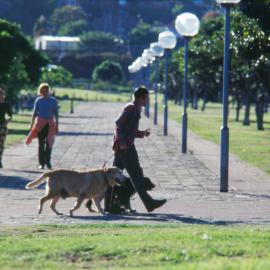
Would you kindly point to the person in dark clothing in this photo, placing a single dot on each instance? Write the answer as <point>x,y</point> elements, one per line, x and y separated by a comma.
<point>125,153</point>
<point>4,109</point>
<point>44,124</point>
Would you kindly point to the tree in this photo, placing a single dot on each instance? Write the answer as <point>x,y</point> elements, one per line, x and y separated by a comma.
<point>74,28</point>
<point>141,36</point>
<point>56,76</point>
<point>66,14</point>
<point>98,42</point>
<point>108,71</point>
<point>41,26</point>
<point>20,63</point>
<point>258,10</point>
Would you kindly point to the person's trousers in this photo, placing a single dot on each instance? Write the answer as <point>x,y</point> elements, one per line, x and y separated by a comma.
<point>44,151</point>
<point>129,160</point>
<point>3,133</point>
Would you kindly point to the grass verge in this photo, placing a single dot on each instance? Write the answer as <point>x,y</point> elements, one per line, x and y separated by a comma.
<point>246,142</point>
<point>135,247</point>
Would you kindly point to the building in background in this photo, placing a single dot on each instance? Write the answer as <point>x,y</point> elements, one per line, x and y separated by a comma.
<point>56,43</point>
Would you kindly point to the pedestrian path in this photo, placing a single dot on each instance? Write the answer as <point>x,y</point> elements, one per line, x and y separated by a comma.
<point>189,182</point>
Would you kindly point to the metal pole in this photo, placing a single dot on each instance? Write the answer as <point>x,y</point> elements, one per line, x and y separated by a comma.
<point>184,115</point>
<point>147,80</point>
<point>156,94</point>
<point>224,153</point>
<point>165,106</point>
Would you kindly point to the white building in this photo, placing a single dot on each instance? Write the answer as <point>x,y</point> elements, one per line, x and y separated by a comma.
<point>55,43</point>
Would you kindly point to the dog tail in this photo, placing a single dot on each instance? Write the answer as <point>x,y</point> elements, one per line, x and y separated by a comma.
<point>38,181</point>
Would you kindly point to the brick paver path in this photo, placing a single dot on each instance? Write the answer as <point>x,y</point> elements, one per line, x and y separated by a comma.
<point>190,182</point>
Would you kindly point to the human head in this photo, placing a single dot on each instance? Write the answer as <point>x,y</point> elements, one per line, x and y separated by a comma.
<point>140,95</point>
<point>43,89</point>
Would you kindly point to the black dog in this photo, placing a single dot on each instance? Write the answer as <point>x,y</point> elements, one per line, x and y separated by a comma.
<point>117,199</point>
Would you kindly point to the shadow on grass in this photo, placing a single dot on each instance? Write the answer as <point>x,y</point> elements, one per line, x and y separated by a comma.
<point>155,217</point>
<point>20,122</point>
<point>12,131</point>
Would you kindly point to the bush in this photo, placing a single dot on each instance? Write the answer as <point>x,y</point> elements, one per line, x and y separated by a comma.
<point>56,76</point>
<point>108,71</point>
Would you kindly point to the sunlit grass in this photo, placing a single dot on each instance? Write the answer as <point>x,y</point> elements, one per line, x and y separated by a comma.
<point>135,247</point>
<point>246,142</point>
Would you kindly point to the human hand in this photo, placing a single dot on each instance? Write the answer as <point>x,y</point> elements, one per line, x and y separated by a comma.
<point>147,132</point>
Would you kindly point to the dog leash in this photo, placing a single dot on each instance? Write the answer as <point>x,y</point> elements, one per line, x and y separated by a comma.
<point>107,159</point>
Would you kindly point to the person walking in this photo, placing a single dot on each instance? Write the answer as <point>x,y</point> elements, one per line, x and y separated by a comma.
<point>125,153</point>
<point>4,109</point>
<point>44,125</point>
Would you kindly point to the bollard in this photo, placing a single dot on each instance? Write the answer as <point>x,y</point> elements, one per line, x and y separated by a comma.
<point>71,105</point>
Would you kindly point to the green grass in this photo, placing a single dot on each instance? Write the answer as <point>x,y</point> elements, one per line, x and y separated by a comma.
<point>93,95</point>
<point>135,247</point>
<point>246,142</point>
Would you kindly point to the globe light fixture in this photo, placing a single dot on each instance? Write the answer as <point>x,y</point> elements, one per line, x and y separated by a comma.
<point>224,151</point>
<point>157,50</point>
<point>187,25</point>
<point>167,40</point>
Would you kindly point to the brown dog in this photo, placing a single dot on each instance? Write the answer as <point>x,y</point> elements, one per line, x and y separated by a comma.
<point>82,185</point>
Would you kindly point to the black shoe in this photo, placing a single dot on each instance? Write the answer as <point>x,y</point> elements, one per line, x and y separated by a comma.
<point>49,166</point>
<point>41,166</point>
<point>153,204</point>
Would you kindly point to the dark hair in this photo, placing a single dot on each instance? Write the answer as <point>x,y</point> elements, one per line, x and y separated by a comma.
<point>141,91</point>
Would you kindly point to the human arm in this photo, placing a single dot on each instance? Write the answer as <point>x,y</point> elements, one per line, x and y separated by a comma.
<point>34,115</point>
<point>9,113</point>
<point>56,116</point>
<point>121,124</point>
<point>142,133</point>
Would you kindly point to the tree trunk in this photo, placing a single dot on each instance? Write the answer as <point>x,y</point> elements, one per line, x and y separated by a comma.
<point>238,108</point>
<point>195,101</point>
<point>246,121</point>
<point>259,110</point>
<point>204,100</point>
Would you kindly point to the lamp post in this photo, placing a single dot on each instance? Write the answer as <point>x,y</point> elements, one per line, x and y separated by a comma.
<point>149,58</point>
<point>224,153</point>
<point>167,40</point>
<point>158,51</point>
<point>187,25</point>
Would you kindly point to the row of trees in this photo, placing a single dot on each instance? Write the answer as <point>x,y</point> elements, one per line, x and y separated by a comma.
<point>250,61</point>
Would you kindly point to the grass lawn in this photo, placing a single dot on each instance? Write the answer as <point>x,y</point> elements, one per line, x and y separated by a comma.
<point>246,142</point>
<point>135,247</point>
<point>93,95</point>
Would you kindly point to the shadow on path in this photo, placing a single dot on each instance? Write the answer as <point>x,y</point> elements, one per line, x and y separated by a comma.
<point>15,182</point>
<point>166,218</point>
<point>68,133</point>
<point>81,117</point>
